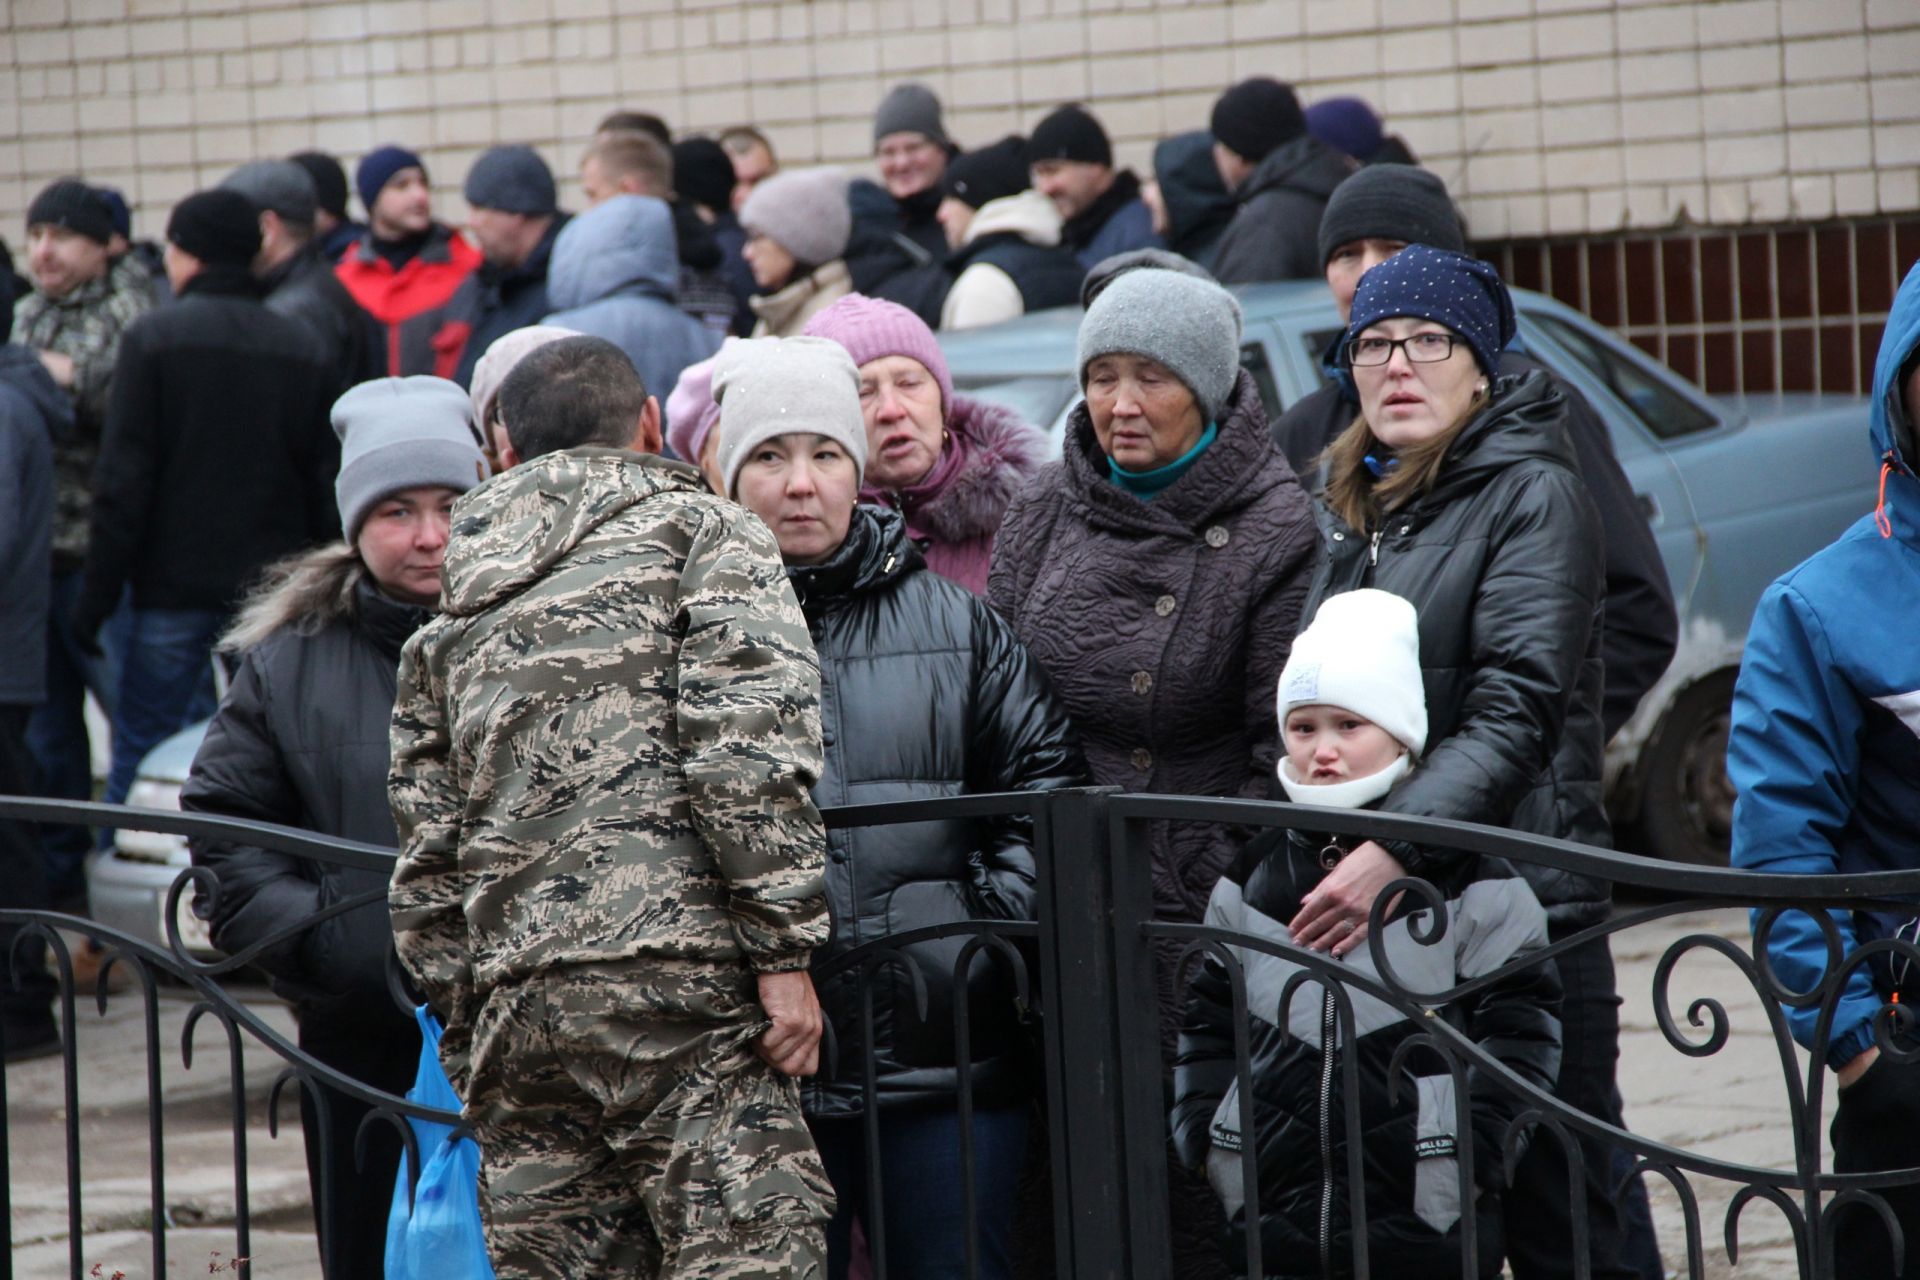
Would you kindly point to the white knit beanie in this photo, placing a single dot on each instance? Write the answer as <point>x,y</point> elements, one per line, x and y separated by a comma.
<point>1361,653</point>
<point>769,387</point>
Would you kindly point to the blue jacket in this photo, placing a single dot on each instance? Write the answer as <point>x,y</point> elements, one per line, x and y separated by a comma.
<point>1825,745</point>
<point>613,274</point>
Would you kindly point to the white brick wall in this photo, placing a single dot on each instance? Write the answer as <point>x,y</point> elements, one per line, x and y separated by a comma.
<point>1545,116</point>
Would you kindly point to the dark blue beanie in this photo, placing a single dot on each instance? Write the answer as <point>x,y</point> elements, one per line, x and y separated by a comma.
<point>377,168</point>
<point>1348,125</point>
<point>1462,293</point>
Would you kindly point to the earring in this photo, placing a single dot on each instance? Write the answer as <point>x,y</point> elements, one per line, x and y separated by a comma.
<point>1481,389</point>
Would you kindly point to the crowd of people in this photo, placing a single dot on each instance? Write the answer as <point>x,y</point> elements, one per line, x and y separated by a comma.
<point>594,666</point>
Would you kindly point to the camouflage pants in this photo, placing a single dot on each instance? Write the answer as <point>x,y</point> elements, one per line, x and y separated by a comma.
<point>628,1129</point>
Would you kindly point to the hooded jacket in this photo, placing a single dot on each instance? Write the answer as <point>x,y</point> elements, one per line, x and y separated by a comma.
<point>1824,751</point>
<point>613,276</point>
<point>1163,626</point>
<point>1011,263</point>
<point>496,300</point>
<point>413,305</point>
<point>1276,233</point>
<point>602,748</point>
<point>1503,560</point>
<point>34,412</point>
<point>1198,206</point>
<point>1297,1116</point>
<point>954,513</point>
<point>1641,629</point>
<point>924,692</point>
<point>301,740</point>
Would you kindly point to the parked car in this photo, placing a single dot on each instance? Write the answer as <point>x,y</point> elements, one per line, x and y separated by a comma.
<point>1737,492</point>
<point>127,885</point>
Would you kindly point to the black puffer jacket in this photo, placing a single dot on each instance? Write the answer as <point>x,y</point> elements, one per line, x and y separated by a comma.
<point>924,693</point>
<point>1409,1139</point>
<point>302,740</point>
<point>1505,561</point>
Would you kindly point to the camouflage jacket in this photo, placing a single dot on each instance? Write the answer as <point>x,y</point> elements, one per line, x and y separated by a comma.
<point>603,748</point>
<point>85,326</point>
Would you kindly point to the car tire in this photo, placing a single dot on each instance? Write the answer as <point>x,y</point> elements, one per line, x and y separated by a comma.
<point>1686,807</point>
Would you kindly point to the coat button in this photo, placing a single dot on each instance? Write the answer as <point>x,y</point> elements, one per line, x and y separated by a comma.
<point>1142,759</point>
<point>1163,606</point>
<point>1142,682</point>
<point>1339,536</point>
<point>1217,537</point>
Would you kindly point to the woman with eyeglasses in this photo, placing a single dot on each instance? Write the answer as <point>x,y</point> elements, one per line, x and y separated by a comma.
<point>1458,490</point>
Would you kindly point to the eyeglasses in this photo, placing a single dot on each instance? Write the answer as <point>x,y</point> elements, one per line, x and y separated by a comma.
<point>1421,348</point>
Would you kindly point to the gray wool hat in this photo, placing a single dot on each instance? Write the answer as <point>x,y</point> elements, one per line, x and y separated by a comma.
<point>1190,325</point>
<point>279,186</point>
<point>804,211</point>
<point>769,387</point>
<point>402,433</point>
<point>910,108</point>
<point>512,180</point>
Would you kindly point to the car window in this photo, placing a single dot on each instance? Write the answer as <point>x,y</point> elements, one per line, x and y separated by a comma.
<point>1253,358</point>
<point>1663,410</point>
<point>1316,343</point>
<point>1037,399</point>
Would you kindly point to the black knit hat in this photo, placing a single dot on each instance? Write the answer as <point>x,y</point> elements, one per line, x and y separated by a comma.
<point>1390,202</point>
<point>72,204</point>
<point>1256,116</point>
<point>1071,133</point>
<point>329,180</point>
<point>703,173</point>
<point>219,227</point>
<point>989,173</point>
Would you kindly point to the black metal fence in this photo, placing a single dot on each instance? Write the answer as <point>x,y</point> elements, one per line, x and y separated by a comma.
<point>1085,976</point>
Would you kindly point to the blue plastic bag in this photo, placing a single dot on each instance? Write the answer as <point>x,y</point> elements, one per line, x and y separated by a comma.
<point>440,1238</point>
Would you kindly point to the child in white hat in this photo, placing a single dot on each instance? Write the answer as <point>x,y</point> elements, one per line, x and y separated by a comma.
<point>1353,721</point>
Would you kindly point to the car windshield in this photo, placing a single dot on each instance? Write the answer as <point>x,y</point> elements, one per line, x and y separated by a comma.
<point>1663,410</point>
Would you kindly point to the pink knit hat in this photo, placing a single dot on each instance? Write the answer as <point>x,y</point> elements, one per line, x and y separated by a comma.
<point>870,328</point>
<point>692,411</point>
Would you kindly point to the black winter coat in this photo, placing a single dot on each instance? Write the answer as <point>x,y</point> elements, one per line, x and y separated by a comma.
<point>1641,628</point>
<point>1276,233</point>
<point>1047,275</point>
<point>301,740</point>
<point>897,249</point>
<point>1408,1137</point>
<point>304,288</point>
<point>34,412</point>
<point>1504,561</point>
<point>495,300</point>
<point>924,693</point>
<point>217,457</point>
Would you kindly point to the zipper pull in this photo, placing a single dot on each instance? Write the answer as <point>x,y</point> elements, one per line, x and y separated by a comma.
<point>1373,552</point>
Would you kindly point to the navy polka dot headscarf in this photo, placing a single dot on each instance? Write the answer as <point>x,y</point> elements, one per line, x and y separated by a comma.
<point>1462,293</point>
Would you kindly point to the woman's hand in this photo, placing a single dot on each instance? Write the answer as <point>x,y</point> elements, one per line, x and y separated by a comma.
<point>1333,916</point>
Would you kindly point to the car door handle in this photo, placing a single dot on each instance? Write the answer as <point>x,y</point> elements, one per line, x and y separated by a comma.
<point>1649,507</point>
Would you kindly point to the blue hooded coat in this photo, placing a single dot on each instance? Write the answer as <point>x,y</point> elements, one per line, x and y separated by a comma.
<point>1825,745</point>
<point>613,275</point>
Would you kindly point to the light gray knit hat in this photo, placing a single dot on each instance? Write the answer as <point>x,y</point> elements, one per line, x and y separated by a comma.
<point>769,387</point>
<point>1190,325</point>
<point>402,433</point>
<point>804,211</point>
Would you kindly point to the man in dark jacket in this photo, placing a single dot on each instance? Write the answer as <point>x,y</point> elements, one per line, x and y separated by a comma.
<point>704,177</point>
<point>407,268</point>
<point>898,244</point>
<point>33,412</point>
<point>299,282</point>
<point>1824,754</point>
<point>1280,174</point>
<point>1374,215</point>
<point>1196,208</point>
<point>1071,162</point>
<point>1007,258</point>
<point>335,231</point>
<point>515,215</point>
<point>217,425</point>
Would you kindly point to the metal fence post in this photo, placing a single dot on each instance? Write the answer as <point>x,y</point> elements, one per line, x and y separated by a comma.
<point>1105,1188</point>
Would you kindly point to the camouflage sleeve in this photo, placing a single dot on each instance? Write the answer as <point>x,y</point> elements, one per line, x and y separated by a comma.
<point>749,729</point>
<point>95,349</point>
<point>425,896</point>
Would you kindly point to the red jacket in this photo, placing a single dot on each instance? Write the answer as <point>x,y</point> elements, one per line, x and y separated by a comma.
<point>423,333</point>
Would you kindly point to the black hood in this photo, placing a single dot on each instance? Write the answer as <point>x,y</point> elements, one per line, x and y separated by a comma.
<point>1526,419</point>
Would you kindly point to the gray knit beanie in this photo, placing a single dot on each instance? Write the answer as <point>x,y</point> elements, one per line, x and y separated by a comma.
<point>402,433</point>
<point>512,180</point>
<point>910,108</point>
<point>1190,325</point>
<point>804,211</point>
<point>769,387</point>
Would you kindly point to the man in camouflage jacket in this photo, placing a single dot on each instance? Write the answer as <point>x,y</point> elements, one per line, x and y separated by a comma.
<point>610,873</point>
